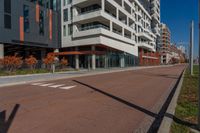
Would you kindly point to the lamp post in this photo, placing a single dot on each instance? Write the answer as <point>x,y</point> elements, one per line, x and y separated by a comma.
<point>191,46</point>
<point>199,71</point>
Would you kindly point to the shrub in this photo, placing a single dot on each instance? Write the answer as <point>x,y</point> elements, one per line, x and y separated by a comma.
<point>64,62</point>
<point>31,61</point>
<point>49,60</point>
<point>11,63</point>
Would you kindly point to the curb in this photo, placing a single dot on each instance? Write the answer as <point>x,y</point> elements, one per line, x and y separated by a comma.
<point>167,121</point>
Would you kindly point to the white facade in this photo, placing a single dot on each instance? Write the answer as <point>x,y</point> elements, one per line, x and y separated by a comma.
<point>124,25</point>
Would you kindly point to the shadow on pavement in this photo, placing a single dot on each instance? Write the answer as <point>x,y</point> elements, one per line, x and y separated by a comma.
<point>181,122</point>
<point>158,117</point>
<point>5,125</point>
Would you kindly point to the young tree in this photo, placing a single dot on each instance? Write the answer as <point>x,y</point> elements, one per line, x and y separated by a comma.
<point>49,60</point>
<point>1,63</point>
<point>11,63</point>
<point>64,62</point>
<point>31,61</point>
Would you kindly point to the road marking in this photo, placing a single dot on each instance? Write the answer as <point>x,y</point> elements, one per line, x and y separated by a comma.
<point>43,85</point>
<point>67,87</point>
<point>37,83</point>
<point>56,86</point>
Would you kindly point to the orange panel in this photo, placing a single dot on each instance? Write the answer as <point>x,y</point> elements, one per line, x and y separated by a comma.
<point>50,24</point>
<point>37,14</point>
<point>21,28</point>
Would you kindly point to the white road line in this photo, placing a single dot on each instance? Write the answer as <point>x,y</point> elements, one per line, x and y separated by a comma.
<point>67,87</point>
<point>37,83</point>
<point>56,86</point>
<point>46,84</point>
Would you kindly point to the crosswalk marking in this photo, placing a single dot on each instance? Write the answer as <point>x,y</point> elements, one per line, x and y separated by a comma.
<point>56,86</point>
<point>37,83</point>
<point>46,84</point>
<point>67,87</point>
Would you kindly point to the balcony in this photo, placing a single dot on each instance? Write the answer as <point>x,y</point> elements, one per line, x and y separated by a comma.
<point>145,36</point>
<point>146,45</point>
<point>94,27</point>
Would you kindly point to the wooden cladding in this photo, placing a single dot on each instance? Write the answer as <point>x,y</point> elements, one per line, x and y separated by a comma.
<point>21,28</point>
<point>37,13</point>
<point>50,24</point>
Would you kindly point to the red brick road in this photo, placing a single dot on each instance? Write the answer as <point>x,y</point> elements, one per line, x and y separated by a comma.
<point>108,103</point>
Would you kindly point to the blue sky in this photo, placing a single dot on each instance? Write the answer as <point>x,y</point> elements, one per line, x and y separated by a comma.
<point>177,14</point>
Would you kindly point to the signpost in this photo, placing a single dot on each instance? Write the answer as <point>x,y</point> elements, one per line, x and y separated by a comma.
<point>199,70</point>
<point>191,46</point>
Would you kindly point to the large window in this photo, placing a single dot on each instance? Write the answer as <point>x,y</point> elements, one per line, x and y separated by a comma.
<point>65,15</point>
<point>7,14</point>
<point>70,29</point>
<point>64,30</point>
<point>26,19</point>
<point>41,23</point>
<point>69,1</point>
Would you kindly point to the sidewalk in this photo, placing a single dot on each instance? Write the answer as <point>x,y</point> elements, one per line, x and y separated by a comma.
<point>23,79</point>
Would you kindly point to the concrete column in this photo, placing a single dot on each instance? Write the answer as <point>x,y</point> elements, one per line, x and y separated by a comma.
<point>122,61</point>
<point>117,14</point>
<point>122,31</point>
<point>76,59</point>
<point>111,26</point>
<point>127,20</point>
<point>93,58</point>
<point>106,62</point>
<point>1,51</point>
<point>103,5</point>
<point>43,55</point>
<point>123,3</point>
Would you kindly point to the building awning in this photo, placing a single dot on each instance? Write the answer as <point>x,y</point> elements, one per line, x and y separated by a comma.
<point>78,53</point>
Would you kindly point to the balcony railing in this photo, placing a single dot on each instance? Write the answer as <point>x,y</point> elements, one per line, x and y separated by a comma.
<point>89,11</point>
<point>95,27</point>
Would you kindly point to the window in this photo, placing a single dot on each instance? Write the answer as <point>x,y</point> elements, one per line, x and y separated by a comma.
<point>69,1</point>
<point>47,5</point>
<point>70,29</point>
<point>71,13</point>
<point>41,23</point>
<point>64,2</point>
<point>7,21</point>
<point>7,14</point>
<point>26,19</point>
<point>7,6</point>
<point>64,30</point>
<point>65,15</point>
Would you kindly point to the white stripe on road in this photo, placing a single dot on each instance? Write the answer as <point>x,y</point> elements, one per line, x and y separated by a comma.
<point>37,83</point>
<point>67,87</point>
<point>46,84</point>
<point>56,86</point>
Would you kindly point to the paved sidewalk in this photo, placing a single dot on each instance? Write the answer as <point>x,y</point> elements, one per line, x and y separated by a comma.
<point>23,79</point>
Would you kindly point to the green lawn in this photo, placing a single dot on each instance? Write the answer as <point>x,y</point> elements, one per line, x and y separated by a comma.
<point>27,71</point>
<point>23,72</point>
<point>187,107</point>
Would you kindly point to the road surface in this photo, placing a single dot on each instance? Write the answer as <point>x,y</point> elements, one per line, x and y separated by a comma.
<point>120,102</point>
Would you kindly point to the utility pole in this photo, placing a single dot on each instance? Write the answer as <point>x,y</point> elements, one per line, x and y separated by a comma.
<point>199,70</point>
<point>191,46</point>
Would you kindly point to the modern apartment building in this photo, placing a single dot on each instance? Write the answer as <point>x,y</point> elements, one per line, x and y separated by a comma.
<point>28,27</point>
<point>169,53</point>
<point>120,30</point>
<point>90,33</point>
<point>164,44</point>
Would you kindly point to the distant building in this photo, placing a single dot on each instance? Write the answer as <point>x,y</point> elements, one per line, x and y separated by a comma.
<point>182,48</point>
<point>169,53</point>
<point>164,43</point>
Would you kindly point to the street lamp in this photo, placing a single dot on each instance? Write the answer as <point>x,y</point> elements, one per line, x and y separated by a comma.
<point>199,67</point>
